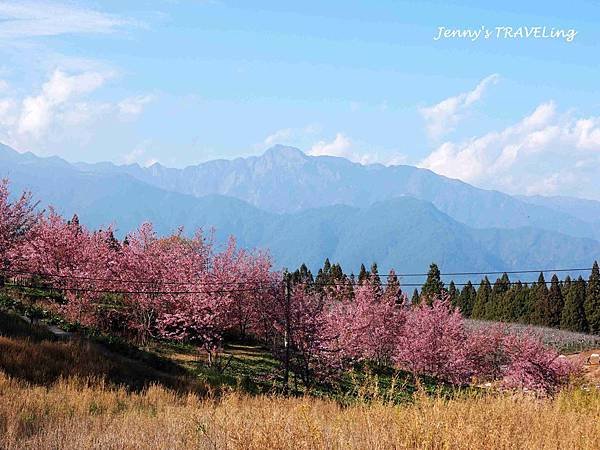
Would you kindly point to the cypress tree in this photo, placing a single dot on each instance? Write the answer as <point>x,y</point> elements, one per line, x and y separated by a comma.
<point>326,266</point>
<point>392,289</point>
<point>555,303</point>
<point>303,275</point>
<point>336,273</point>
<point>112,242</point>
<point>573,313</point>
<point>515,303</point>
<point>506,309</point>
<point>522,311</point>
<point>453,294</point>
<point>323,276</point>
<point>481,300</point>
<point>375,279</point>
<point>415,297</point>
<point>433,286</point>
<point>539,302</point>
<point>566,286</point>
<point>592,301</point>
<point>363,274</point>
<point>467,299</point>
<point>493,308</point>
<point>74,221</point>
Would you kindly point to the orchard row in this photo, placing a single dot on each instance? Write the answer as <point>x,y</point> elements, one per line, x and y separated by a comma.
<point>185,289</point>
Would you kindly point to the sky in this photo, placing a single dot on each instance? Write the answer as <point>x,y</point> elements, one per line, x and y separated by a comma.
<point>182,82</point>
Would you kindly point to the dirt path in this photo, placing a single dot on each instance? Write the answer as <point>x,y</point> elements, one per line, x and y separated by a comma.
<point>591,367</point>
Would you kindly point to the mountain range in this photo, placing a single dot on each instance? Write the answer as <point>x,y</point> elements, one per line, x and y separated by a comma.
<point>306,208</point>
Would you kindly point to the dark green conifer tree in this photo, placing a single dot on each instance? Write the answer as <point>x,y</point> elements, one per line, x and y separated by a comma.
<point>592,301</point>
<point>481,300</point>
<point>415,297</point>
<point>326,266</point>
<point>323,277</point>
<point>433,286</point>
<point>494,306</point>
<point>522,311</point>
<point>507,305</point>
<point>573,313</point>
<point>363,274</point>
<point>392,289</point>
<point>336,273</point>
<point>453,294</point>
<point>303,275</point>
<point>539,302</point>
<point>467,299</point>
<point>556,303</point>
<point>375,279</point>
<point>565,286</point>
<point>112,242</point>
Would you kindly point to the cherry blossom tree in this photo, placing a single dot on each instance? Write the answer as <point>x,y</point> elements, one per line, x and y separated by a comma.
<point>534,366</point>
<point>16,219</point>
<point>367,326</point>
<point>181,288</point>
<point>433,341</point>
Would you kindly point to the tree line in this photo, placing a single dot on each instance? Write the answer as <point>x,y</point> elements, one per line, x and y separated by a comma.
<point>569,304</point>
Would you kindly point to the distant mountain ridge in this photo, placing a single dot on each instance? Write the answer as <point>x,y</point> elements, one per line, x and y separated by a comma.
<point>284,179</point>
<point>401,231</point>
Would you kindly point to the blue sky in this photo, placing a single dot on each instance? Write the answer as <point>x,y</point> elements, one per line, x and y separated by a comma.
<point>181,82</point>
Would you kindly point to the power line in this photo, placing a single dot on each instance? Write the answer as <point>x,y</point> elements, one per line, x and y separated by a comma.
<point>490,272</point>
<point>242,283</point>
<point>116,291</point>
<point>222,290</point>
<point>120,280</point>
<point>217,291</point>
<point>421,284</point>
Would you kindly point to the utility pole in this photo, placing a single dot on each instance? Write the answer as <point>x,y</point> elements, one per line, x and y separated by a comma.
<point>286,332</point>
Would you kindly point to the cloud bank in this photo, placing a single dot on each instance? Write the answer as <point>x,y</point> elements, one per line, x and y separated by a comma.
<point>443,117</point>
<point>547,152</point>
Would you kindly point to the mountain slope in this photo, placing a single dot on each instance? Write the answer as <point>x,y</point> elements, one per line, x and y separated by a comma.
<point>402,232</point>
<point>284,179</point>
<point>583,209</point>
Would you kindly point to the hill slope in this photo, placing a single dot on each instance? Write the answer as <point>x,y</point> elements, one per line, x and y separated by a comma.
<point>402,232</point>
<point>284,179</point>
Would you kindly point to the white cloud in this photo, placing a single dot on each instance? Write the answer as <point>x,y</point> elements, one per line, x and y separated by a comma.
<point>131,107</point>
<point>140,155</point>
<point>7,112</point>
<point>62,108</point>
<point>342,146</point>
<point>279,136</point>
<point>38,111</point>
<point>443,117</point>
<point>546,152</point>
<point>291,136</point>
<point>25,19</point>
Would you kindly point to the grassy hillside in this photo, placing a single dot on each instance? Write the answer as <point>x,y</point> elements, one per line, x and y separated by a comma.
<point>33,354</point>
<point>87,392</point>
<point>85,412</point>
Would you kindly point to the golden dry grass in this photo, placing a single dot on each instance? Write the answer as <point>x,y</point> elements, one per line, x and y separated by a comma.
<point>62,395</point>
<point>78,414</point>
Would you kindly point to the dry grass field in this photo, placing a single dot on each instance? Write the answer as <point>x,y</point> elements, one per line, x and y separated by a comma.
<point>78,395</point>
<point>78,414</point>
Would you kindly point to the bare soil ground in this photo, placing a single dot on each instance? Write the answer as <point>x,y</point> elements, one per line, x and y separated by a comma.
<point>591,369</point>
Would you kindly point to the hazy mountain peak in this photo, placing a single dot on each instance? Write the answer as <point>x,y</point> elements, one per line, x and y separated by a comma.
<point>285,152</point>
<point>316,207</point>
<point>285,180</point>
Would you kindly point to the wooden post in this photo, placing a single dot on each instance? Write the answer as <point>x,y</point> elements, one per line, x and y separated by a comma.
<point>286,333</point>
